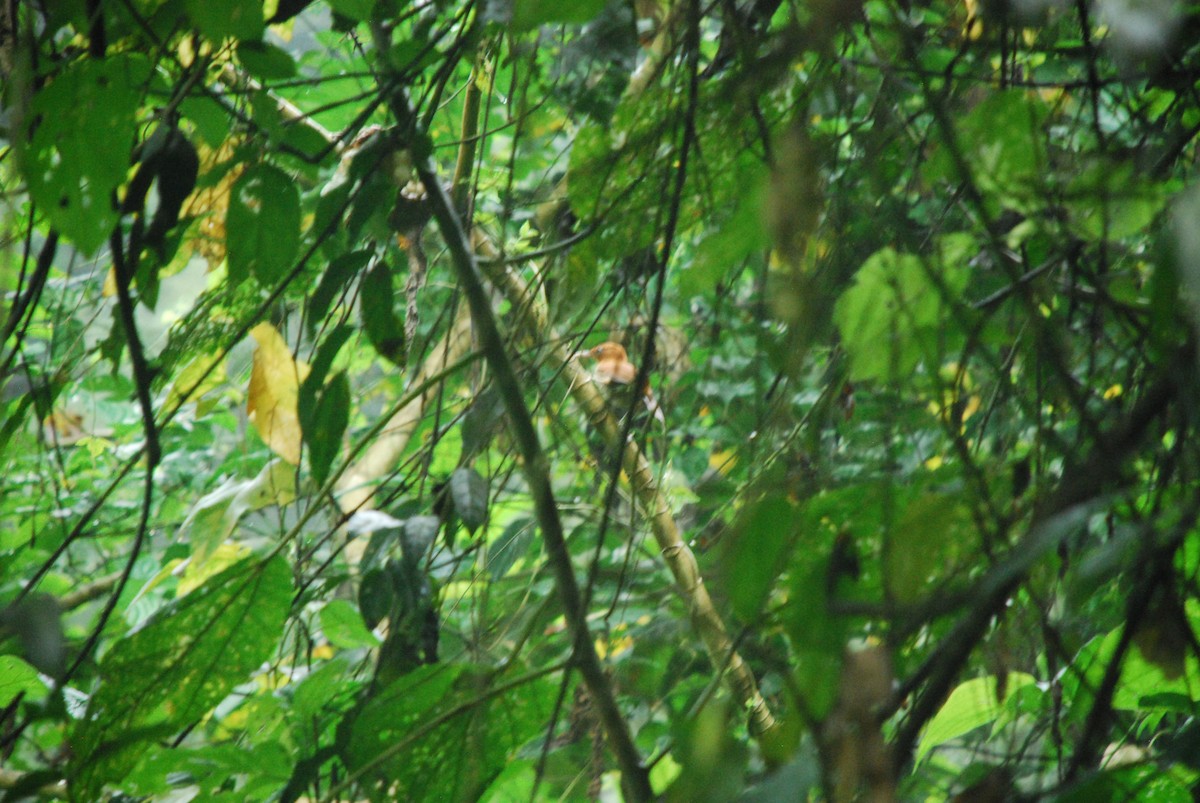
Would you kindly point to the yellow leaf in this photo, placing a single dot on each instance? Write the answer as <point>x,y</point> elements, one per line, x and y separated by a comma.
<point>275,379</point>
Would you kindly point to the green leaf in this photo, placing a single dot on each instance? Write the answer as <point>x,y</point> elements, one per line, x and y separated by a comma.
<point>511,545</point>
<point>357,10</point>
<point>743,234</point>
<point>217,19</point>
<point>79,152</point>
<point>895,313</point>
<point>1114,201</point>
<point>333,280</point>
<point>469,491</point>
<point>818,637</point>
<point>1002,140</point>
<point>454,756</point>
<point>763,535</point>
<point>262,225</point>
<point>266,61</point>
<point>528,14</point>
<point>343,625</point>
<point>214,516</point>
<point>376,302</point>
<point>184,660</point>
<point>972,705</point>
<point>18,678</point>
<point>924,545</point>
<point>325,426</point>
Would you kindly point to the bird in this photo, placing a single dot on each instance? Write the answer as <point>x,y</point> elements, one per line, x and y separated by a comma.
<point>614,369</point>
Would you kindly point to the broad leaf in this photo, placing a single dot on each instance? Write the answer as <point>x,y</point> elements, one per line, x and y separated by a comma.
<point>271,401</point>
<point>971,705</point>
<point>262,225</point>
<point>169,673</point>
<point>377,301</point>
<point>80,149</point>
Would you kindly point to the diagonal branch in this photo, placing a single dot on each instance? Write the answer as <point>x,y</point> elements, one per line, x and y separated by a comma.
<point>675,552</point>
<point>635,777</point>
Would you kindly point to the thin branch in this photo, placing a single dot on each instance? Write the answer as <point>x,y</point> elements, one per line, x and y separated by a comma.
<point>635,778</point>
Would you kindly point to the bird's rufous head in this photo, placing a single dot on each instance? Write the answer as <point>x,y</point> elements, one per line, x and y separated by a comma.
<point>608,351</point>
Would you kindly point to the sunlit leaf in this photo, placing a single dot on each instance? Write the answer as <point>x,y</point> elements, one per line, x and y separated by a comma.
<point>971,705</point>
<point>343,625</point>
<point>79,153</point>
<point>271,401</point>
<point>895,313</point>
<point>19,679</point>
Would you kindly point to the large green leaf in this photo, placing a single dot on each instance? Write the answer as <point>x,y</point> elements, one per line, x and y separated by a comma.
<point>763,535</point>
<point>217,19</point>
<point>324,427</point>
<point>79,150</point>
<point>19,679</point>
<point>169,673</point>
<point>924,545</point>
<point>384,328</point>
<point>527,14</point>
<point>1003,142</point>
<point>894,314</point>
<point>971,705</point>
<point>435,734</point>
<point>262,225</point>
<point>469,491</point>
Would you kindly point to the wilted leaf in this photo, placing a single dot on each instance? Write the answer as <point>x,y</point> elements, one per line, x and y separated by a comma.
<point>275,379</point>
<point>202,375</point>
